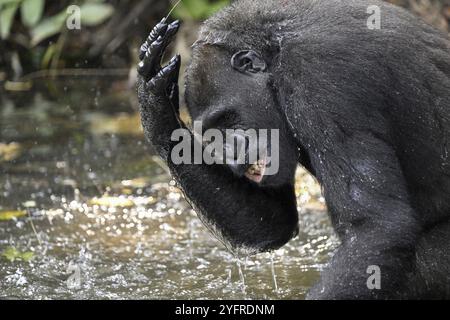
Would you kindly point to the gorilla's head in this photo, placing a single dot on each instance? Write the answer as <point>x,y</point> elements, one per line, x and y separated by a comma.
<point>230,84</point>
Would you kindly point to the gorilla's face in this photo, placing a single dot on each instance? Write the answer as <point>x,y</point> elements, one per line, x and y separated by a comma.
<point>228,89</point>
<point>232,89</point>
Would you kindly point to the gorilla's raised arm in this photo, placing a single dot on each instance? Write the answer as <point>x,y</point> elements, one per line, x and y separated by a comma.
<point>246,216</point>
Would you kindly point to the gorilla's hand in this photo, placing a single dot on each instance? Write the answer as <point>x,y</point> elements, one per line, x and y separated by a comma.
<point>158,87</point>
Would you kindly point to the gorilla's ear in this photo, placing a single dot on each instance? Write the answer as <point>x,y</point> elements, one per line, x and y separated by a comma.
<point>248,61</point>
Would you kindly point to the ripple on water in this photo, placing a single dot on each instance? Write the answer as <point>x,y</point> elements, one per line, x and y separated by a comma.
<point>109,221</point>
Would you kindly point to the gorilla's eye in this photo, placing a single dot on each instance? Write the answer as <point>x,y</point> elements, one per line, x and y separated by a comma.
<point>248,61</point>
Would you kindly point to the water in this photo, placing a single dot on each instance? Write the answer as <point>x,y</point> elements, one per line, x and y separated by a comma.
<point>274,275</point>
<point>241,277</point>
<point>103,220</point>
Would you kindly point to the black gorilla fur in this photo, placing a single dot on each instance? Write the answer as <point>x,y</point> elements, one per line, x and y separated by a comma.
<point>366,111</point>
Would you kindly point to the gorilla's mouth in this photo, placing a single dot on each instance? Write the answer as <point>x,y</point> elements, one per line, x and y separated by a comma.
<point>255,172</point>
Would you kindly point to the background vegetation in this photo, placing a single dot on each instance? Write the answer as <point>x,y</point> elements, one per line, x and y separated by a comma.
<point>34,36</point>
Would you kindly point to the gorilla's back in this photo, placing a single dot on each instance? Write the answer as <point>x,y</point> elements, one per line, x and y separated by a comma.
<point>400,72</point>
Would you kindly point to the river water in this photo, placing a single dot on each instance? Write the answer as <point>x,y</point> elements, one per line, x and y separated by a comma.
<point>87,212</point>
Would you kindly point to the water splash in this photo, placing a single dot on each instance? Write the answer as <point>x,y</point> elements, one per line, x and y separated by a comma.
<point>228,280</point>
<point>272,269</point>
<point>131,251</point>
<point>241,276</point>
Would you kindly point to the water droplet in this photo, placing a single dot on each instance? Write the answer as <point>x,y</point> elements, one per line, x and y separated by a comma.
<point>241,276</point>
<point>274,276</point>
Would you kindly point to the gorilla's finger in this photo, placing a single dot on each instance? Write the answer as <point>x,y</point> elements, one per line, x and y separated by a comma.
<point>165,76</point>
<point>176,73</point>
<point>168,36</point>
<point>172,29</point>
<point>174,97</point>
<point>159,30</point>
<point>174,90</point>
<point>149,66</point>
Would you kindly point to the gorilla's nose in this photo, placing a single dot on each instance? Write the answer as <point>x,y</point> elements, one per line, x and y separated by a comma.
<point>241,152</point>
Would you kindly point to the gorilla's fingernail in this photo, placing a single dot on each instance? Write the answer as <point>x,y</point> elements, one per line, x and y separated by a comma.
<point>165,69</point>
<point>173,27</point>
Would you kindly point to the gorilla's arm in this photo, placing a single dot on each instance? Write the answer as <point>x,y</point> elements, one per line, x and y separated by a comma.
<point>368,203</point>
<point>341,117</point>
<point>348,144</point>
<point>256,218</point>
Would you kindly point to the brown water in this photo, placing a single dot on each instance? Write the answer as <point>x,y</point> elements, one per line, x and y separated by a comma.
<point>103,219</point>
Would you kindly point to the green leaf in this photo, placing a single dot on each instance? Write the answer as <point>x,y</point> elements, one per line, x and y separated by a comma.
<point>198,9</point>
<point>31,12</point>
<point>2,2</point>
<point>7,14</point>
<point>214,7</point>
<point>47,28</point>
<point>9,151</point>
<point>9,215</point>
<point>27,256</point>
<point>11,254</point>
<point>93,14</point>
<point>48,55</point>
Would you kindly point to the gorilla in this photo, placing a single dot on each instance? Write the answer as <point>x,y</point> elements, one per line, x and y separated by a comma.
<point>366,111</point>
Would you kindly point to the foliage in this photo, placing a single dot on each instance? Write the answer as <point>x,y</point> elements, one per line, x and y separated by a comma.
<point>41,27</point>
<point>11,254</point>
<point>37,30</point>
<point>198,9</point>
<point>9,215</point>
<point>9,151</point>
